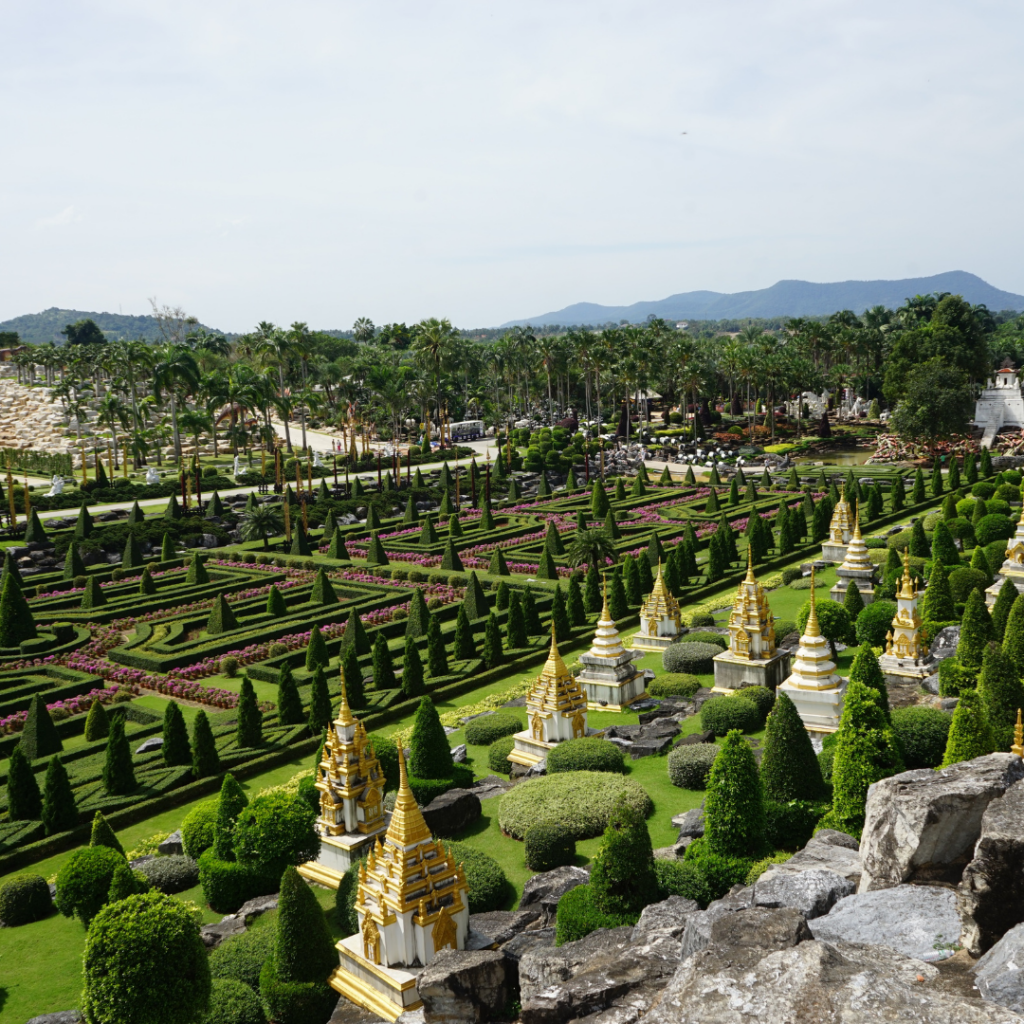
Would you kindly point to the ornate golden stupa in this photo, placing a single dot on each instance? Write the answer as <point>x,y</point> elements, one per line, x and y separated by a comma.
<point>1013,566</point>
<point>857,566</point>
<point>660,622</point>
<point>813,684</point>
<point>752,658</point>
<point>556,709</point>
<point>609,677</point>
<point>905,660</point>
<point>412,902</point>
<point>840,530</point>
<point>351,785</point>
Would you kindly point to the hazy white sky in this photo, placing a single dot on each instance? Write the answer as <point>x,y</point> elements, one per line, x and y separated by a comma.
<point>321,161</point>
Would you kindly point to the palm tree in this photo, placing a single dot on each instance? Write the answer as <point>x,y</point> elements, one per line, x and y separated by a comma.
<point>194,422</point>
<point>432,339</point>
<point>262,523</point>
<point>593,546</point>
<point>175,373</point>
<point>273,348</point>
<point>113,413</point>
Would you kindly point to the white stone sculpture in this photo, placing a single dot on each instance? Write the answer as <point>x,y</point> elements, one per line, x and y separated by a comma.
<point>237,467</point>
<point>56,486</point>
<point>317,464</point>
<point>152,476</point>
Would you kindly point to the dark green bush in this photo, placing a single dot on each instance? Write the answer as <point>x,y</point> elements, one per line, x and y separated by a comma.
<point>497,756</point>
<point>954,677</point>
<point>171,874</point>
<point>23,899</point>
<point>826,759</point>
<point>684,878</point>
<point>993,527</point>
<point>702,619</point>
<point>489,889</point>
<point>548,846</point>
<point>199,828</point>
<point>674,684</point>
<point>983,489</point>
<point>482,732</point>
<point>783,627</point>
<point>720,641</point>
<point>426,790</point>
<point>577,916</point>
<point>874,622</point>
<point>761,696</point>
<point>241,957</point>
<point>720,714</point>
<point>720,873</point>
<point>227,884</point>
<point>689,764</point>
<point>963,580</point>
<point>276,830</point>
<point>231,1002</point>
<point>922,733</point>
<point>586,754</point>
<point>83,883</point>
<point>791,825</point>
<point>693,658</point>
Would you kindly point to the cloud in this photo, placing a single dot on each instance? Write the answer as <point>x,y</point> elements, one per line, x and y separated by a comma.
<point>66,216</point>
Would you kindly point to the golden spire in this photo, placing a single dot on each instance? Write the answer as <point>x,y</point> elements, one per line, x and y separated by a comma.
<point>605,611</point>
<point>856,519</point>
<point>554,666</point>
<point>812,629</point>
<point>345,716</point>
<point>750,564</point>
<point>407,825</point>
<point>1018,737</point>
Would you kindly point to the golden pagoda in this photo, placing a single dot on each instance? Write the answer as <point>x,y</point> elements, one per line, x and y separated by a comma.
<point>1013,565</point>
<point>609,677</point>
<point>857,566</point>
<point>350,781</point>
<point>905,660</point>
<point>813,684</point>
<point>660,622</point>
<point>412,901</point>
<point>752,658</point>
<point>840,530</point>
<point>556,709</point>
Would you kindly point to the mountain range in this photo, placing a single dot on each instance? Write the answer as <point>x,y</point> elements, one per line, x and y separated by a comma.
<point>39,328</point>
<point>785,298</point>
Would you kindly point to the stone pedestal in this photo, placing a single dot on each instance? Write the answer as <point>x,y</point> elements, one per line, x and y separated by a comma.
<point>906,670</point>
<point>386,991</point>
<point>833,552</point>
<point>337,855</point>
<point>819,710</point>
<point>865,583</point>
<point>733,672</point>
<point>609,678</point>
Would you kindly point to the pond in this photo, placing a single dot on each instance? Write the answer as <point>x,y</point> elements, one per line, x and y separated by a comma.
<point>838,457</point>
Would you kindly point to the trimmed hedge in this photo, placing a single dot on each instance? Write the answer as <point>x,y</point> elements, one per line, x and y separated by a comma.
<point>171,874</point>
<point>760,696</point>
<point>577,916</point>
<point>690,764</point>
<point>581,801</point>
<point>426,790</point>
<point>586,754</point>
<point>497,756</point>
<point>489,888</point>
<point>548,846</point>
<point>24,899</point>
<point>227,884</point>
<point>720,714</point>
<point>694,658</point>
<point>674,684</point>
<point>719,641</point>
<point>482,732</point>
<point>198,829</point>
<point>241,957</point>
<point>922,733</point>
<point>231,1002</point>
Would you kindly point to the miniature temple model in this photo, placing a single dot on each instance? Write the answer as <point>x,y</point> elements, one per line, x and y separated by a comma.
<point>556,709</point>
<point>351,785</point>
<point>999,405</point>
<point>412,902</point>
<point>905,660</point>
<point>813,685</point>
<point>856,566</point>
<point>833,549</point>
<point>660,622</point>
<point>1013,567</point>
<point>609,677</point>
<point>752,658</point>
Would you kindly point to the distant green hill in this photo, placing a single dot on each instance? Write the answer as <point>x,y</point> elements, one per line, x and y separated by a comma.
<point>39,328</point>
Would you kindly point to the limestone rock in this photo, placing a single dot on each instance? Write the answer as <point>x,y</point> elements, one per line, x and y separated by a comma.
<point>945,643</point>
<point>533,938</point>
<point>991,893</point>
<point>691,824</point>
<point>214,934</point>
<point>697,931</point>
<point>999,974</point>
<point>465,987</point>
<point>664,920</point>
<point>545,889</point>
<point>922,825</point>
<point>153,743</point>
<point>249,911</point>
<point>452,812</point>
<point>62,1017</point>
<point>499,926</point>
<point>172,845</point>
<point>776,928</point>
<point>833,837</point>
<point>914,919</point>
<point>813,893</point>
<point>823,853</point>
<point>459,754</point>
<point>813,983</point>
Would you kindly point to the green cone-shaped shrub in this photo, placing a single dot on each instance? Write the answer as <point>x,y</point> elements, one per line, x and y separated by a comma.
<point>789,766</point>
<point>1000,686</point>
<point>623,880</point>
<point>412,670</point>
<point>249,729</point>
<point>175,749</point>
<point>734,814</point>
<point>866,670</point>
<point>353,676</point>
<point>103,834</point>
<point>197,573</point>
<point>231,804</point>
<point>222,618</point>
<point>59,811</point>
<point>276,605</point>
<point>73,564</point>
<point>39,738</point>
<point>437,660</point>
<point>355,635</point>
<point>97,723</point>
<point>16,621</point>
<point>375,554</point>
<point>1005,600</point>
<point>289,704</point>
<point>938,598</point>
<point>970,734</point>
<point>383,668</point>
<point>475,600</point>
<point>83,526</point>
<point>492,652</point>
<point>465,647</point>
<point>316,650</point>
<point>430,756</point>
<point>975,631</point>
<point>118,771</point>
<point>23,800</point>
<point>205,760</point>
<point>319,703</point>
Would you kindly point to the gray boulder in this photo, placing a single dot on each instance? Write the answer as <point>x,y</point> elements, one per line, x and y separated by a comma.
<point>545,889</point>
<point>465,987</point>
<point>824,852</point>
<point>999,974</point>
<point>172,845</point>
<point>153,743</point>
<point>63,1017</point>
<point>214,934</point>
<point>761,927</point>
<point>922,825</point>
<point>499,926</point>
<point>525,942</point>
<point>813,983</point>
<point>919,921</point>
<point>664,920</point>
<point>451,812</point>
<point>813,893</point>
<point>697,931</point>
<point>249,911</point>
<point>690,824</point>
<point>459,754</point>
<point>991,892</point>
<point>945,643</point>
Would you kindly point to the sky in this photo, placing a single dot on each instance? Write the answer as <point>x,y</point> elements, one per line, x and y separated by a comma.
<point>323,161</point>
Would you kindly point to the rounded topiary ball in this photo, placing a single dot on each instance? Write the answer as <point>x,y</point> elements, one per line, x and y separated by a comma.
<point>874,622</point>
<point>720,714</point>
<point>586,754</point>
<point>694,658</point>
<point>483,731</point>
<point>923,733</point>
<point>197,830</point>
<point>231,1002</point>
<point>761,696</point>
<point>720,641</point>
<point>673,684</point>
<point>689,764</point>
<point>488,885</point>
<point>24,899</point>
<point>702,619</point>
<point>171,874</point>
<point>497,756</point>
<point>548,845</point>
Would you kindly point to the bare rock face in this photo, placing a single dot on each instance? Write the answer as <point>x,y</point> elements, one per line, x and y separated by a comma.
<point>828,850</point>
<point>999,974</point>
<point>991,894</point>
<point>813,983</point>
<point>548,887</point>
<point>499,926</point>
<point>913,919</point>
<point>697,932</point>
<point>663,921</point>
<point>172,845</point>
<point>922,825</point>
<point>761,927</point>
<point>465,987</point>
<point>451,812</point>
<point>813,893</point>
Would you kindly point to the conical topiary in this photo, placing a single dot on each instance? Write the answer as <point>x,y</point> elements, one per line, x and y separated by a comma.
<point>1005,600</point>
<point>553,540</point>
<point>93,596</point>
<point>230,805</point>
<point>34,532</point>
<point>1000,686</point>
<point>560,617</point>
<point>249,729</point>
<point>83,526</point>
<point>276,605</point>
<point>147,585</point>
<point>222,618</point>
<point>11,569</point>
<point>300,542</point>
<point>316,650</point>
<point>384,677</point>
<point>118,771</point>
<point>319,703</point>
<point>975,631</point>
<point>355,634</point>
<point>454,526</point>
<point>97,723</point>
<point>375,554</point>
<point>498,566</point>
<point>289,704</point>
<point>428,535</point>
<point>866,670</point>
<point>599,504</point>
<point>475,600</point>
<point>734,814</point>
<point>16,621</point>
<point>103,835</point>
<point>352,675</point>
<point>623,881</point>
<point>173,510</point>
<point>39,737</point>
<point>419,616</point>
<point>611,527</point>
<point>546,569</point>
<point>970,733</point>
<point>464,645</point>
<point>205,761</point>
<point>412,670</point>
<point>175,749</point>
<point>323,592</point>
<point>59,812</point>
<point>337,547</point>
<point>430,756</point>
<point>938,597</point>
<point>197,572</point>
<point>789,767</point>
<point>450,560</point>
<point>492,652</point>
<point>23,800</point>
<point>167,551</point>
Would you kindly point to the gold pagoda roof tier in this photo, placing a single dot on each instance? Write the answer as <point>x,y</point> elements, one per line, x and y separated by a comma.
<point>555,690</point>
<point>857,557</point>
<point>751,617</point>
<point>812,667</point>
<point>660,604</point>
<point>908,585</point>
<point>842,518</point>
<point>607,642</point>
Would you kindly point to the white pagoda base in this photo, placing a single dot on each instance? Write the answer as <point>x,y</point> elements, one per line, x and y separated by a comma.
<point>819,710</point>
<point>733,672</point>
<point>832,552</point>
<point>337,855</point>
<point>386,991</point>
<point>865,586</point>
<point>906,670</point>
